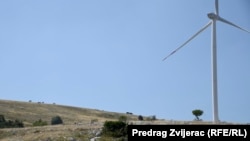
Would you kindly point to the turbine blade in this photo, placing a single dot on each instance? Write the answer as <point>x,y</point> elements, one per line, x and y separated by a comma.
<point>232,24</point>
<point>207,25</point>
<point>216,7</point>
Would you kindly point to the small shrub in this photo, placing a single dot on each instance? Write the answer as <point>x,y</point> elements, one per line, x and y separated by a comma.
<point>2,119</point>
<point>17,123</point>
<point>40,123</point>
<point>123,119</point>
<point>114,129</point>
<point>151,118</point>
<point>10,124</point>
<point>56,120</point>
<point>140,117</point>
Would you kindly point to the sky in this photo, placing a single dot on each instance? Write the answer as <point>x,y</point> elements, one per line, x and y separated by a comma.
<point>107,55</point>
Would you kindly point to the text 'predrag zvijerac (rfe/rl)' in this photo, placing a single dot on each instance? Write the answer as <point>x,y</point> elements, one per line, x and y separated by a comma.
<point>188,133</point>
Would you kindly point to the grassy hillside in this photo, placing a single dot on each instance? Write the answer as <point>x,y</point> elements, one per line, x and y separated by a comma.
<point>77,121</point>
<point>29,112</point>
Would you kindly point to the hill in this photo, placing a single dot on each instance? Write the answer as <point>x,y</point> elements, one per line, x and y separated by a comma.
<point>79,124</point>
<point>77,121</point>
<point>28,112</point>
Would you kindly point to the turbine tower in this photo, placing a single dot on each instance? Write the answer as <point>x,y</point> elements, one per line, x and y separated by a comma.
<point>213,18</point>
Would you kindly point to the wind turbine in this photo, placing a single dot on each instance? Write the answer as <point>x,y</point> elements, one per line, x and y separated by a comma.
<point>213,18</point>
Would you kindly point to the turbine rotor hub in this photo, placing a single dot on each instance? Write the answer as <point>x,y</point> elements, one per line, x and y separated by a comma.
<point>212,16</point>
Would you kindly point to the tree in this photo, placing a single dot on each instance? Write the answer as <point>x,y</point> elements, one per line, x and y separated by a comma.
<point>197,113</point>
<point>56,120</point>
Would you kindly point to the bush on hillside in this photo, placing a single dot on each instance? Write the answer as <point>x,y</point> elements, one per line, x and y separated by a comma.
<point>10,124</point>
<point>2,121</point>
<point>56,120</point>
<point>114,129</point>
<point>151,118</point>
<point>140,117</point>
<point>40,123</point>
<point>123,119</point>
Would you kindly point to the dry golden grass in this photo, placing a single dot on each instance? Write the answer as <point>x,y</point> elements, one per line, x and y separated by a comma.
<point>77,121</point>
<point>29,112</point>
<point>53,133</point>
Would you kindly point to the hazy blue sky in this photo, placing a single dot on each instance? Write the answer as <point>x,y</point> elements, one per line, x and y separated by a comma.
<point>107,55</point>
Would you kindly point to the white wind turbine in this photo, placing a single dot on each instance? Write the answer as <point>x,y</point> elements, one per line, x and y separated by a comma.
<point>213,18</point>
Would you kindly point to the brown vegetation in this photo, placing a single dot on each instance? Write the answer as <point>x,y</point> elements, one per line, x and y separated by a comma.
<point>78,123</point>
